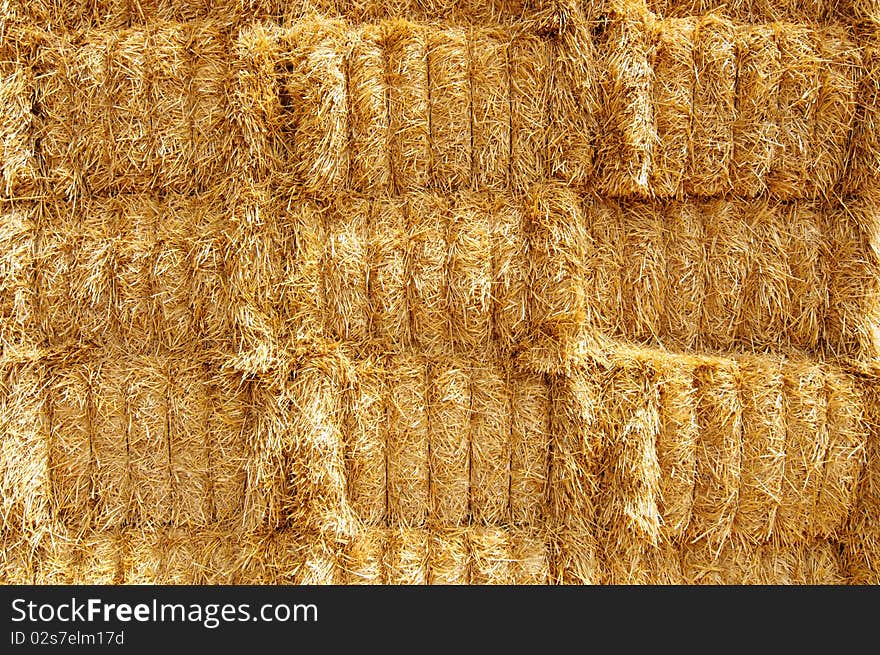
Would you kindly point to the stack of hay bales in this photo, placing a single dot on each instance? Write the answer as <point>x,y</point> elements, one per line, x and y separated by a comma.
<point>401,293</point>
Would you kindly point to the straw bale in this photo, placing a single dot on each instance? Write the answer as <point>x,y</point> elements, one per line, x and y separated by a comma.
<point>346,271</point>
<point>490,445</point>
<point>268,438</point>
<point>470,274</point>
<point>672,60</point>
<point>574,102</point>
<point>305,295</point>
<point>272,558</point>
<point>861,559</point>
<point>365,430</point>
<point>388,278</point>
<point>202,557</point>
<point>719,451</point>
<point>687,274</point>
<point>714,107</point>
<point>315,95</point>
<point>228,411</point>
<point>255,259</point>
<point>676,445</point>
<point>763,447</point>
<point>319,565</point>
<point>530,558</point>
<point>864,153</point>
<point>604,284</point>
<point>797,97</point>
<point>631,419</point>
<point>844,458</point>
<point>25,480</point>
<point>71,406</point>
<point>408,442</point>
<point>728,260</point>
<point>18,299</point>
<point>807,282</point>
<point>642,564</point>
<point>644,275</point>
<point>406,556</point>
<point>18,561</point>
<point>807,441</point>
<point>529,65</point>
<point>561,246</point>
<point>362,560</point>
<point>510,274</point>
<point>755,130</point>
<point>18,147</point>
<point>406,52</point>
<point>530,440</point>
<point>449,557</point>
<point>95,559</point>
<point>577,450</point>
<point>625,144</point>
<point>851,259</point>
<point>835,109</point>
<point>317,459</point>
<point>823,564</point>
<point>450,108</point>
<point>111,476</point>
<point>491,559</point>
<point>575,558</point>
<point>450,449</point>
<point>427,279</point>
<point>490,89</point>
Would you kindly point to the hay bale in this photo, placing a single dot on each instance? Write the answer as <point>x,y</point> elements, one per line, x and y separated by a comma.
<point>19,169</point>
<point>574,558</point>
<point>530,443</point>
<point>366,453</point>
<point>388,276</point>
<point>604,284</point>
<point>755,130</point>
<point>304,294</point>
<point>719,451</point>
<point>844,457</point>
<point>319,565</point>
<point>510,275</point>
<point>573,102</point>
<point>71,559</point>
<point>807,285</point>
<point>687,274</point>
<point>490,445</point>
<point>267,433</point>
<point>406,52</point>
<point>672,61</point>
<point>850,259</point>
<point>763,448</point>
<point>529,65</point>
<point>644,274</point>
<point>864,152</point>
<point>560,245</point>
<point>408,442</point>
<point>676,445</point>
<point>729,258</point>
<point>625,145</point>
<point>469,273</point>
<point>450,449</point>
<point>427,278</point>
<point>270,558</point>
<point>714,107</point>
<point>450,108</point>
<point>638,563</point>
<point>797,98</point>
<point>631,420</point>
<point>806,443</point>
<point>315,95</point>
<point>345,271</point>
<point>530,558</point>
<point>362,560</point>
<point>491,98</point>
<point>71,408</point>
<point>25,480</point>
<point>577,453</point>
<point>490,556</point>
<point>18,276</point>
<point>406,556</point>
<point>228,413</point>
<point>18,561</point>
<point>368,120</point>
<point>835,109</point>
<point>449,557</point>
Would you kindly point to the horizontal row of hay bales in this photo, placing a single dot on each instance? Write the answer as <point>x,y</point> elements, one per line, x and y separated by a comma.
<point>321,105</point>
<point>247,276</point>
<point>474,555</point>
<point>639,447</point>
